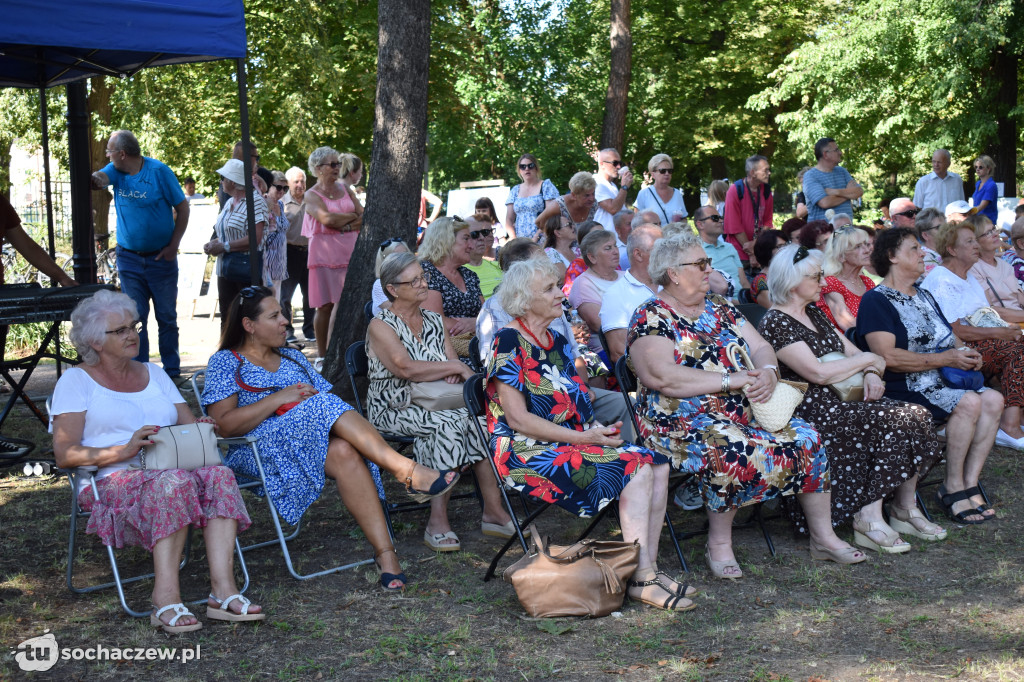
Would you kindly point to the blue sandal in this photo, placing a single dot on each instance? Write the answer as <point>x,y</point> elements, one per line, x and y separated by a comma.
<point>387,578</point>
<point>438,487</point>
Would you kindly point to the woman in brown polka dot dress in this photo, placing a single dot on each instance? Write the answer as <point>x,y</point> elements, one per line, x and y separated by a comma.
<point>876,446</point>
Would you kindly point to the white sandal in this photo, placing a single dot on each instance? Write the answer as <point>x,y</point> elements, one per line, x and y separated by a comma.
<point>221,611</point>
<point>172,627</point>
<point>913,522</point>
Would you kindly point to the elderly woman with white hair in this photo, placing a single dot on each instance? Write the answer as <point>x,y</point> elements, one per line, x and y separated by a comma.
<point>544,439</point>
<point>660,197</point>
<point>407,343</point>
<point>454,290</point>
<point>231,244</point>
<point>846,255</point>
<point>868,463</point>
<point>332,222</point>
<point>693,405</point>
<point>103,413</point>
<point>601,255</point>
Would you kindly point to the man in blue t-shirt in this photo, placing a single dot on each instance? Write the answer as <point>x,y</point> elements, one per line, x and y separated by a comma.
<point>829,185</point>
<point>152,214</point>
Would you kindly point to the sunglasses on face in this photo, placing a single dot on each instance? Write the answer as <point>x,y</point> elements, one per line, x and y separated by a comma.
<point>712,218</point>
<point>909,213</point>
<point>388,242</point>
<point>663,171</point>
<point>281,188</point>
<point>702,263</point>
<point>617,163</point>
<point>527,166</point>
<point>476,234</point>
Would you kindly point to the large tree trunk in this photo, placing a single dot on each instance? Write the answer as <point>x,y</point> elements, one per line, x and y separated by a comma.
<point>99,105</point>
<point>615,102</point>
<point>1004,148</point>
<point>396,165</point>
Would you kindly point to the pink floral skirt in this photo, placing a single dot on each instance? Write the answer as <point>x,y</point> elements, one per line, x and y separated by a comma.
<point>139,508</point>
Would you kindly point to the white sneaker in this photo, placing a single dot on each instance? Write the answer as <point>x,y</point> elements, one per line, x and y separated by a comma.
<point>1005,440</point>
<point>688,496</point>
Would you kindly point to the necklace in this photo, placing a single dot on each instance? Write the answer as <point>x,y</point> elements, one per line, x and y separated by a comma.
<point>535,339</point>
<point>409,324</point>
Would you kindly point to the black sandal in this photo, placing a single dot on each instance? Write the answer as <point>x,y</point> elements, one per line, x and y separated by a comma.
<point>947,500</point>
<point>983,507</point>
<point>671,601</point>
<point>678,593</point>
<point>387,578</point>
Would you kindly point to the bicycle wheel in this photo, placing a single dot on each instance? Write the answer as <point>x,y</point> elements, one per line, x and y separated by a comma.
<point>66,264</point>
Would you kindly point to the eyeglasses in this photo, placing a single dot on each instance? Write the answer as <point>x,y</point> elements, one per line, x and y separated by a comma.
<point>713,218</point>
<point>415,281</point>
<point>703,264</point>
<point>476,234</point>
<point>332,164</point>
<point>122,332</point>
<point>110,152</point>
<point>663,171</point>
<point>989,233</point>
<point>527,166</point>
<point>388,242</point>
<point>819,275</point>
<point>908,213</point>
<point>617,163</point>
<point>281,188</point>
<point>800,254</point>
<point>255,157</point>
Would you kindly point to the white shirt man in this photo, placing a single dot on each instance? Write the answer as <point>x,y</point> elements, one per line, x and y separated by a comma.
<point>610,199</point>
<point>939,188</point>
<point>633,288</point>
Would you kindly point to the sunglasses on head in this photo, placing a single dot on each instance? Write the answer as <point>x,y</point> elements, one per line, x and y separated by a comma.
<point>476,234</point>
<point>910,213</point>
<point>527,166</point>
<point>254,291</point>
<point>393,240</point>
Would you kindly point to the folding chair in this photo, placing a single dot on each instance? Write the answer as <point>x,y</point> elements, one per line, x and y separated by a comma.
<point>474,354</point>
<point>88,473</point>
<point>246,483</point>
<point>628,383</point>
<point>473,394</point>
<point>358,366</point>
<point>752,311</point>
<point>368,310</point>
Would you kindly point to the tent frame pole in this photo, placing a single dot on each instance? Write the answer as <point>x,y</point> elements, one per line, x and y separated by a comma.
<point>255,274</point>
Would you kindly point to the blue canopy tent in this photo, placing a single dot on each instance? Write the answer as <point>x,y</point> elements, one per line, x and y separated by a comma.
<point>44,43</point>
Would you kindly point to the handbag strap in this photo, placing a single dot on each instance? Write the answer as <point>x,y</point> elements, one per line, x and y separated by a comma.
<point>995,293</point>
<point>928,297</point>
<point>256,389</point>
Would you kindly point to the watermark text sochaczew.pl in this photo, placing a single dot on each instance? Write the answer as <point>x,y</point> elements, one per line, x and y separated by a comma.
<point>39,654</point>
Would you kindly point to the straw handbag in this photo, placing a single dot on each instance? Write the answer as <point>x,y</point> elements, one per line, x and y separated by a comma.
<point>774,414</point>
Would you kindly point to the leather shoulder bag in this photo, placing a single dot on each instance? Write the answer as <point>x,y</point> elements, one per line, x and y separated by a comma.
<point>184,446</point>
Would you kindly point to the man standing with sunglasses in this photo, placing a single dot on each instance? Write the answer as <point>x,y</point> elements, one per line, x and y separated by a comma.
<point>940,188</point>
<point>829,185</point>
<point>610,199</point>
<point>722,254</point>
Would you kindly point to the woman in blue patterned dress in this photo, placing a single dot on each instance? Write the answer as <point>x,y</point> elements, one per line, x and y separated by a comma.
<point>692,410</point>
<point>255,386</point>
<point>546,443</point>
<point>527,200</point>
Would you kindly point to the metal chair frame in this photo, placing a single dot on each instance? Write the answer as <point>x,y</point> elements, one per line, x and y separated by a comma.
<point>357,365</point>
<point>628,384</point>
<point>246,483</point>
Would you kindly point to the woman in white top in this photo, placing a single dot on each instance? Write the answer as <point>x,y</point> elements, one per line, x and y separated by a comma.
<point>602,258</point>
<point>103,412</point>
<point>560,237</point>
<point>231,246</point>
<point>661,197</point>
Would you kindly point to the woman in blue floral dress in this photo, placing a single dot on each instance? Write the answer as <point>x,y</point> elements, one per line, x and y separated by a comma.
<point>545,440</point>
<point>692,407</point>
<point>257,387</point>
<point>527,200</point>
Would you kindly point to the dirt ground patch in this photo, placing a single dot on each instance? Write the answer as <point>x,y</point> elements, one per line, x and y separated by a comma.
<point>952,610</point>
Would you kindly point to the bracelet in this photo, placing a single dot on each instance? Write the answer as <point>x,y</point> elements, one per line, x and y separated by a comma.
<point>872,370</point>
<point>726,382</point>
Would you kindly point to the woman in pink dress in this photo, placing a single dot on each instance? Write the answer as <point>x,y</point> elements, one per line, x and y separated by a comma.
<point>332,222</point>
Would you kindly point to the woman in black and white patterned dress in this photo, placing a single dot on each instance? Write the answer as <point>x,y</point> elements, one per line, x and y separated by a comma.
<point>407,343</point>
<point>877,446</point>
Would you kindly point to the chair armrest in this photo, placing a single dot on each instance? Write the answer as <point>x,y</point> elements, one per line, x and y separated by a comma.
<point>88,469</point>
<point>239,440</point>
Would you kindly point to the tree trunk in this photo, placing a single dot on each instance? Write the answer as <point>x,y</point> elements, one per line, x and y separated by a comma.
<point>396,165</point>
<point>1004,149</point>
<point>615,102</point>
<point>99,105</point>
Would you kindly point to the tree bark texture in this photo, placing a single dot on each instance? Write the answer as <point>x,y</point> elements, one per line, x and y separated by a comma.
<point>1004,148</point>
<point>99,106</point>
<point>616,100</point>
<point>395,169</point>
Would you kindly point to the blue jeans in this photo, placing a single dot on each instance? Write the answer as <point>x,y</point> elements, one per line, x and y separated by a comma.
<point>144,279</point>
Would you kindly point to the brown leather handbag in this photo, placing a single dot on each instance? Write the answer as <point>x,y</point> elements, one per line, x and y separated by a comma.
<point>587,578</point>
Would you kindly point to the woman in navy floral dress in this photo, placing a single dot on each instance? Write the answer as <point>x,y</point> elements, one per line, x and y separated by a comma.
<point>545,440</point>
<point>255,387</point>
<point>692,407</point>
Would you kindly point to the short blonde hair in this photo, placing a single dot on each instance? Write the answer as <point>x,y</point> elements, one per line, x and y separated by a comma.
<point>658,158</point>
<point>672,229</point>
<point>946,236</point>
<point>986,161</point>
<point>844,240</point>
<point>717,191</point>
<point>439,239</point>
<point>318,156</point>
<point>594,240</point>
<point>517,283</point>
<point>582,182</point>
<point>350,163</point>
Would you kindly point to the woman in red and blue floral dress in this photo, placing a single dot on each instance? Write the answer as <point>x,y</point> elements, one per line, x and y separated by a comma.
<point>546,443</point>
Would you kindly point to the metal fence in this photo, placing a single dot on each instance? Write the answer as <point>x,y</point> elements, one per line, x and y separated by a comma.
<point>33,213</point>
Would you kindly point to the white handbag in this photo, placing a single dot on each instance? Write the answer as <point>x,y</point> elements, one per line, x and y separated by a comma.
<point>185,446</point>
<point>850,389</point>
